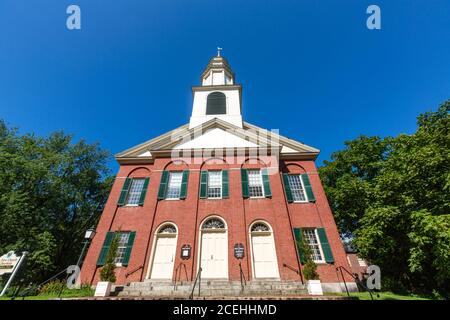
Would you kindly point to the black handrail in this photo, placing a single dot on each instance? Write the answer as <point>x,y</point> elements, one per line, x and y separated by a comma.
<point>133,271</point>
<point>356,278</point>
<point>199,278</point>
<point>242,275</point>
<point>291,268</point>
<point>178,275</point>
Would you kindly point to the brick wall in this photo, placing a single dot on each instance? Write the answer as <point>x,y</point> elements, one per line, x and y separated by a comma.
<point>237,212</point>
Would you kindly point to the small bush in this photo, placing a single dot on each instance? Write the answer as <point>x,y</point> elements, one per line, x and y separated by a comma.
<point>108,271</point>
<point>52,287</point>
<point>309,268</point>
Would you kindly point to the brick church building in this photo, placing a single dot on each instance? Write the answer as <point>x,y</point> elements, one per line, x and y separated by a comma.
<point>218,195</point>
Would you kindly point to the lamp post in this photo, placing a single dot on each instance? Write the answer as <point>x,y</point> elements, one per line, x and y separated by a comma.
<point>88,236</point>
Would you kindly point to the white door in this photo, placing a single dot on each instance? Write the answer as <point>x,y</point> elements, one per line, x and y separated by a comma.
<point>214,255</point>
<point>164,257</point>
<point>264,257</point>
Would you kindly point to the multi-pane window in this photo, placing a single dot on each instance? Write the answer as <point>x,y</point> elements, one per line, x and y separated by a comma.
<point>174,185</point>
<point>255,183</point>
<point>311,239</point>
<point>214,184</point>
<point>122,248</point>
<point>362,263</point>
<point>137,185</point>
<point>296,185</point>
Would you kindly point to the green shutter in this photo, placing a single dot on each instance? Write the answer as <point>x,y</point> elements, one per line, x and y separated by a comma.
<point>126,256</point>
<point>308,188</point>
<point>287,188</point>
<point>225,183</point>
<point>184,184</point>
<point>203,184</point>
<point>102,257</point>
<point>144,192</point>
<point>244,181</point>
<point>266,183</point>
<point>325,245</point>
<point>124,192</point>
<point>163,185</point>
<point>299,244</point>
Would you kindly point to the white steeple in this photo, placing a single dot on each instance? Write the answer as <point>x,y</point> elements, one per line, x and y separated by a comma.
<point>218,96</point>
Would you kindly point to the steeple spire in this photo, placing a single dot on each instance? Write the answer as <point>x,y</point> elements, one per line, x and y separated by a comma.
<point>218,72</point>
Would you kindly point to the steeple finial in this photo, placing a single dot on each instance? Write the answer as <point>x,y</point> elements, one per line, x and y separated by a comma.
<point>219,50</point>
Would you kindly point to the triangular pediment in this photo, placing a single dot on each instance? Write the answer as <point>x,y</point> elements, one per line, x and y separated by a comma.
<point>216,138</point>
<point>216,134</point>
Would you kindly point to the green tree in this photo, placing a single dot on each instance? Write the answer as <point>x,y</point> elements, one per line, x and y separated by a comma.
<point>391,196</point>
<point>309,267</point>
<point>108,271</point>
<point>51,191</point>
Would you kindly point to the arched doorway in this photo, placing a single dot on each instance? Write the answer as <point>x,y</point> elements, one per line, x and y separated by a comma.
<point>264,257</point>
<point>164,252</point>
<point>214,249</point>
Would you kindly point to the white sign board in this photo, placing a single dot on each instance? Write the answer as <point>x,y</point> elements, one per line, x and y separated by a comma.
<point>103,289</point>
<point>8,262</point>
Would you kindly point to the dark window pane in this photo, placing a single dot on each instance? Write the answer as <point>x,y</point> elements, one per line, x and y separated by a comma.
<point>216,103</point>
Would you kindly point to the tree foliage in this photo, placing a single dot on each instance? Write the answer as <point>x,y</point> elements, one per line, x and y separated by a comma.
<point>309,267</point>
<point>108,271</point>
<point>51,191</point>
<point>392,197</point>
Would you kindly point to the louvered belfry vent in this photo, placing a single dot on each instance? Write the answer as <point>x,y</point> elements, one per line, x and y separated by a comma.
<point>216,103</point>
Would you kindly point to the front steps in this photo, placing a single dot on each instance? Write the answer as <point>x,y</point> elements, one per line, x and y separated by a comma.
<point>213,289</point>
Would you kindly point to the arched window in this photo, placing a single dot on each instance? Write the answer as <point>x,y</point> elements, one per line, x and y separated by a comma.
<point>213,223</point>
<point>168,228</point>
<point>216,103</point>
<point>260,227</point>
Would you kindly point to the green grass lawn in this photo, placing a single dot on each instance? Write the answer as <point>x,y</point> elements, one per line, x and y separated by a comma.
<point>381,296</point>
<point>67,293</point>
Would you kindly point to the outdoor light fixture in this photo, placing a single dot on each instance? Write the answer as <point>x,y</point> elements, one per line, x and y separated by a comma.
<point>90,233</point>
<point>88,236</point>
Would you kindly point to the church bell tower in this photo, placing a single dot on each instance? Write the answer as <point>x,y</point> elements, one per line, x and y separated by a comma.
<point>218,96</point>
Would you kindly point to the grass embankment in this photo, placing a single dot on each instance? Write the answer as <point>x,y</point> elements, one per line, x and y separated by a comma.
<point>381,296</point>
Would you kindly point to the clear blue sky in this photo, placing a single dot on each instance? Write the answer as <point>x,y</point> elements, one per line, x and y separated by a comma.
<point>309,68</point>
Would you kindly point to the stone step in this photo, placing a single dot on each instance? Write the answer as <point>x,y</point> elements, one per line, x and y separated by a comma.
<point>212,288</point>
<point>215,293</point>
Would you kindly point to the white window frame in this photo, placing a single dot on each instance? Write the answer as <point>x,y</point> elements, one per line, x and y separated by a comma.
<point>221,185</point>
<point>129,191</point>
<point>303,187</point>
<point>319,245</point>
<point>119,264</point>
<point>262,184</point>
<point>168,185</point>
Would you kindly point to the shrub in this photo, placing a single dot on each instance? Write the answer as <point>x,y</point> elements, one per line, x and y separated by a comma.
<point>107,273</point>
<point>309,268</point>
<point>52,287</point>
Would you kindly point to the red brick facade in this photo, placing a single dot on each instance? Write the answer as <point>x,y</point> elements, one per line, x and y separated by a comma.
<point>237,212</point>
<point>216,124</point>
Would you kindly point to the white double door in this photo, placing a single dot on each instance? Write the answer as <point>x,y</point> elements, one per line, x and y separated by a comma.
<point>265,263</point>
<point>164,257</point>
<point>214,254</point>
